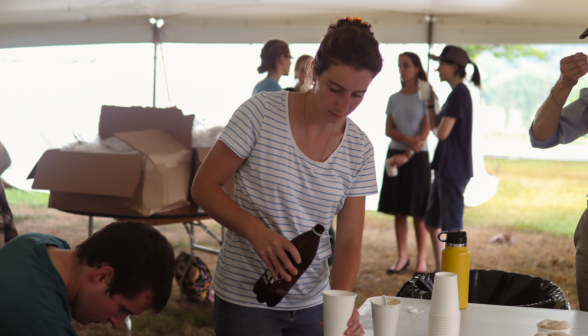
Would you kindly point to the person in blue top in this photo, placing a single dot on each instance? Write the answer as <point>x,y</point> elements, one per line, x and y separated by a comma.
<point>407,193</point>
<point>275,60</point>
<point>123,269</point>
<point>452,162</point>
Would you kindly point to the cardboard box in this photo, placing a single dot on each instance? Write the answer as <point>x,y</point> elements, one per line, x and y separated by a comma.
<point>156,180</point>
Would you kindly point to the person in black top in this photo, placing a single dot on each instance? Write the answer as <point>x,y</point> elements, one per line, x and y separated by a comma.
<point>452,162</point>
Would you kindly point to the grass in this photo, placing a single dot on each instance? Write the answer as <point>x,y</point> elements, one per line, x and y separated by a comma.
<point>548,196</point>
<point>540,202</point>
<point>33,198</point>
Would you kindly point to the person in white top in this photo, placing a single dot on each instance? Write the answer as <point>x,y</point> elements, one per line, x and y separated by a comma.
<point>298,160</point>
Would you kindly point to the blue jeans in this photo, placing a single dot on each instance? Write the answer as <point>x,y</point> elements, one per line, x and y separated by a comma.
<point>231,319</point>
<point>445,206</point>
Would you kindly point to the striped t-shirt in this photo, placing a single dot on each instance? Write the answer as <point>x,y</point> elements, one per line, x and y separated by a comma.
<point>288,192</point>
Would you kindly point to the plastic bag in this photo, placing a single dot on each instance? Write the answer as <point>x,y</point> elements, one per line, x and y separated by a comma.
<point>497,288</point>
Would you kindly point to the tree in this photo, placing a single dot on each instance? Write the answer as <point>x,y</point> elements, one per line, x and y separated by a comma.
<point>508,52</point>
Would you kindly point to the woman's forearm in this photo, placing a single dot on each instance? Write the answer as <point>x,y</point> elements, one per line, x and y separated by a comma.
<point>347,255</point>
<point>345,265</point>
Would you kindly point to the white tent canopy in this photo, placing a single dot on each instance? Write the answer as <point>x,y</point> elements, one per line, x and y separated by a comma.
<point>25,23</point>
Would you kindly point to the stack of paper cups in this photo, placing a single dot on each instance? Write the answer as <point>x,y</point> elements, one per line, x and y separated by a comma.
<point>444,315</point>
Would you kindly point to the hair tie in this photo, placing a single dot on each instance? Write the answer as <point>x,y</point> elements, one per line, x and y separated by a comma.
<point>357,20</point>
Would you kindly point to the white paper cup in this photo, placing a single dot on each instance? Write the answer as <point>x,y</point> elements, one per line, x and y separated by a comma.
<point>424,90</point>
<point>337,310</point>
<point>391,170</point>
<point>385,318</point>
<point>445,297</point>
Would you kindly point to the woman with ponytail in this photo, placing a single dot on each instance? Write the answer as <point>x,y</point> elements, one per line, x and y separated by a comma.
<point>407,193</point>
<point>276,61</point>
<point>298,160</point>
<point>452,162</point>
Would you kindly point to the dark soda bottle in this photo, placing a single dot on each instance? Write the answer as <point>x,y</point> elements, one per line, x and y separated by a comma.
<point>272,292</point>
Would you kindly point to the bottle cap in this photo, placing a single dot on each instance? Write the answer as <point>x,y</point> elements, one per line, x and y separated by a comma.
<point>318,230</point>
<point>454,238</point>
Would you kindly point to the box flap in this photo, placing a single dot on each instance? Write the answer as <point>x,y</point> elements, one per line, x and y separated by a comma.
<point>114,119</point>
<point>89,173</point>
<point>150,142</point>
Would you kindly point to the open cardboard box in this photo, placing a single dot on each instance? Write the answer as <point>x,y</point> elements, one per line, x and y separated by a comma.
<point>156,180</point>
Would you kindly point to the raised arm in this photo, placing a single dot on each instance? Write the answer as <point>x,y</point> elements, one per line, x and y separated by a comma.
<point>546,121</point>
<point>441,128</point>
<point>220,164</point>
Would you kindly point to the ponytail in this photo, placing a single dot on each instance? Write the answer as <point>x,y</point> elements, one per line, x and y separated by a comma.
<point>476,76</point>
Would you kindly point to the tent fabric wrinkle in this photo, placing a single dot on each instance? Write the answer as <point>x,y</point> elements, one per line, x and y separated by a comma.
<point>28,23</point>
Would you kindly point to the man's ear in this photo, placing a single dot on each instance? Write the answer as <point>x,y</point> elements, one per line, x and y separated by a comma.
<point>103,274</point>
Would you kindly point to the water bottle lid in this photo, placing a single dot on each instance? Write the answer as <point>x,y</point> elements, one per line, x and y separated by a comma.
<point>454,237</point>
<point>318,230</point>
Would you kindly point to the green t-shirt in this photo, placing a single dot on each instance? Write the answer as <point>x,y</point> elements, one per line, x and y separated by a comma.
<point>33,299</point>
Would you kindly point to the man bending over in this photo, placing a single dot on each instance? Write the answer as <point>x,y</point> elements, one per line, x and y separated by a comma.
<point>123,269</point>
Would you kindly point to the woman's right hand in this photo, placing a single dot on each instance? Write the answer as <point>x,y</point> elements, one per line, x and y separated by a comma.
<point>271,247</point>
<point>572,68</point>
<point>415,143</point>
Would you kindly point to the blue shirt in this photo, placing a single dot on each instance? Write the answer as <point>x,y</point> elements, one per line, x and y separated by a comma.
<point>268,84</point>
<point>408,112</point>
<point>573,123</point>
<point>453,156</point>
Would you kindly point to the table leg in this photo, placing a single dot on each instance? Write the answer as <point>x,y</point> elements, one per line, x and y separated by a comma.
<point>90,225</point>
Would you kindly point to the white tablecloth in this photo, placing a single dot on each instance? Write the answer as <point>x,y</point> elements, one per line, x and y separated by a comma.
<point>480,319</point>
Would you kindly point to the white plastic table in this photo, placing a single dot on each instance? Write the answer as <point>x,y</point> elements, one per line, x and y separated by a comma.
<point>480,319</point>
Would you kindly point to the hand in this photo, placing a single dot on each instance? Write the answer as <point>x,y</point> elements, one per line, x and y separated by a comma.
<point>354,328</point>
<point>271,247</point>
<point>573,68</point>
<point>398,160</point>
<point>431,100</point>
<point>416,143</point>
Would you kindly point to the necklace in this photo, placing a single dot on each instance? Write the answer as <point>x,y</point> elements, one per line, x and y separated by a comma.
<point>306,131</point>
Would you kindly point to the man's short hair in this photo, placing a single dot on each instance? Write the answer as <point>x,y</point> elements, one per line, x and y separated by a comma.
<point>140,255</point>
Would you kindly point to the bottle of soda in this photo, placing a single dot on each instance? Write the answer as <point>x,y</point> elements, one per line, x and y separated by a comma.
<point>272,292</point>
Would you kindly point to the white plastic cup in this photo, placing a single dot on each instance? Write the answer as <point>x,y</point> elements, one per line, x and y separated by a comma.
<point>385,317</point>
<point>391,170</point>
<point>445,297</point>
<point>337,310</point>
<point>424,90</point>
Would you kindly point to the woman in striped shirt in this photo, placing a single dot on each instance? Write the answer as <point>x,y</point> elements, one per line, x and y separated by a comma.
<point>298,160</point>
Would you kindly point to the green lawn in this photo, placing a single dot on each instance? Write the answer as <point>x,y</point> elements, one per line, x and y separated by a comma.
<point>34,198</point>
<point>548,196</point>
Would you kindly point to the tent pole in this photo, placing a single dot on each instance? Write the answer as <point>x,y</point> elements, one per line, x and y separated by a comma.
<point>155,40</point>
<point>431,20</point>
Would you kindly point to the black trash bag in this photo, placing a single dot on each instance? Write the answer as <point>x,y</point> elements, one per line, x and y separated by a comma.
<point>497,288</point>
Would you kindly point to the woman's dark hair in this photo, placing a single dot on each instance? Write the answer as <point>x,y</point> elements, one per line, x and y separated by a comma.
<point>416,61</point>
<point>141,257</point>
<point>349,42</point>
<point>270,53</point>
<point>461,72</point>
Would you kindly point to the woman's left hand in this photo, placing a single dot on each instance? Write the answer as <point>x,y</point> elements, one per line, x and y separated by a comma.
<point>354,328</point>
